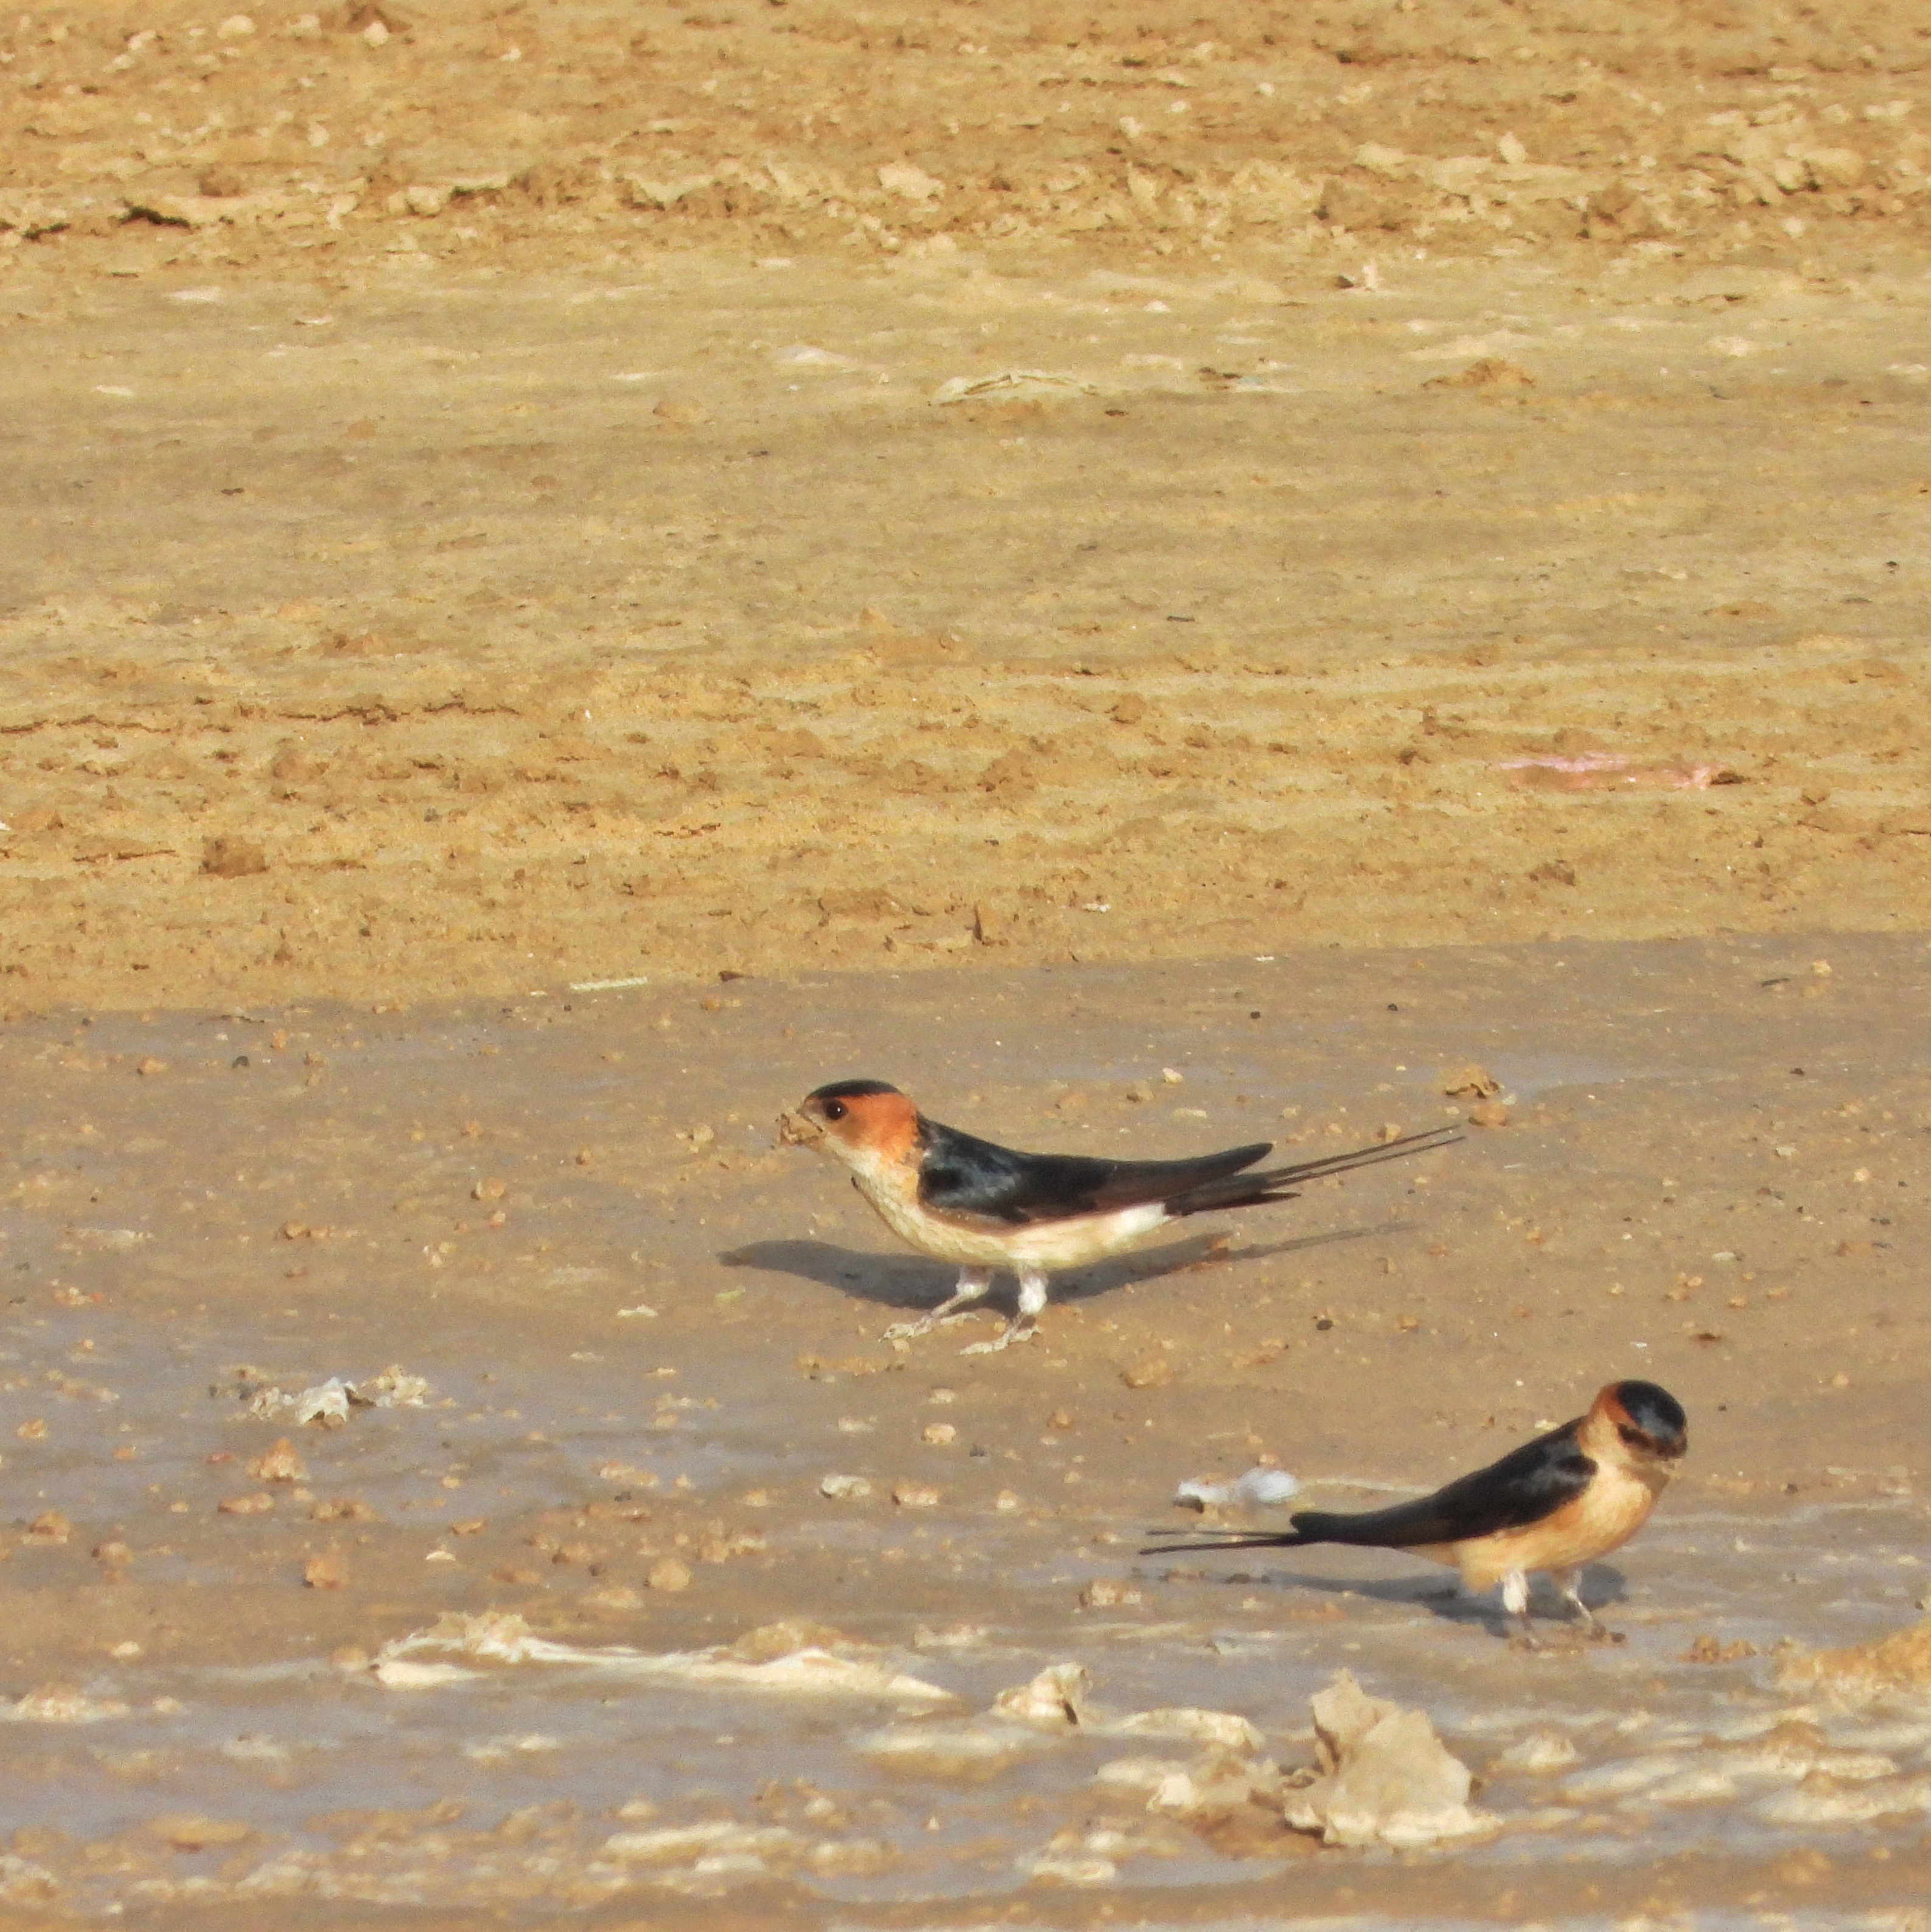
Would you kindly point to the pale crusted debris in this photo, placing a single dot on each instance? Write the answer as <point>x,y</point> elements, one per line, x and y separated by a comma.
<point>395,1387</point>
<point>1228,1729</point>
<point>1217,1782</point>
<point>61,1704</point>
<point>1138,1773</point>
<point>110,1240</point>
<point>330,1401</point>
<point>30,216</point>
<point>403,1673</point>
<point>909,182</point>
<point>22,1882</point>
<point>1057,1698</point>
<point>1603,770</point>
<point>1386,1777</point>
<point>1540,1751</point>
<point>1258,1485</point>
<point>810,1669</point>
<point>972,1748</point>
<point>1062,1869</point>
<point>1816,1804</point>
<point>673,1844</point>
<point>1011,386</point>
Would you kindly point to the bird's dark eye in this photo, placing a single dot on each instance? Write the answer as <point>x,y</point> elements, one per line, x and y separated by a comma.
<point>1635,1438</point>
<point>835,1110</point>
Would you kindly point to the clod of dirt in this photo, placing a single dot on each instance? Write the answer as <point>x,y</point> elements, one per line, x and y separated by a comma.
<point>324,1572</point>
<point>1386,1778</point>
<point>1708,1649</point>
<point>280,1464</point>
<point>1491,372</point>
<point>225,857</point>
<point>1900,1662</point>
<point>614,1597</point>
<point>191,1832</point>
<point>1472,1081</point>
<point>342,1509</point>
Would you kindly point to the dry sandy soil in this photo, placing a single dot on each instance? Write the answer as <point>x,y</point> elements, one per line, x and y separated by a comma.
<point>1007,548</point>
<point>417,585</point>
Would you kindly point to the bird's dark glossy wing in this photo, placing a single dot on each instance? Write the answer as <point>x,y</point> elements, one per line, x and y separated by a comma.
<point>1528,1484</point>
<point>973,1179</point>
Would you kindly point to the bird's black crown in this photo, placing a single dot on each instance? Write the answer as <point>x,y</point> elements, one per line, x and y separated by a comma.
<point>1654,1411</point>
<point>851,1090</point>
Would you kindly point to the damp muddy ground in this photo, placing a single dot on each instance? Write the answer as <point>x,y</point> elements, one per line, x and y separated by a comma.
<point>659,1416</point>
<point>574,574</point>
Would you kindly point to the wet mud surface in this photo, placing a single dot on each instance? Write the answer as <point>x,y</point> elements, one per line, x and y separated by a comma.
<point>648,1336</point>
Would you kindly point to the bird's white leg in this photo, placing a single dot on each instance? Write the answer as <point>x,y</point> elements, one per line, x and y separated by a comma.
<point>1025,1324</point>
<point>1516,1601</point>
<point>1568,1583</point>
<point>974,1283</point>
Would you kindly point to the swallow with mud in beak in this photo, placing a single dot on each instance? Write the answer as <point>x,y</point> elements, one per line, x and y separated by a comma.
<point>1560,1501</point>
<point>986,1207</point>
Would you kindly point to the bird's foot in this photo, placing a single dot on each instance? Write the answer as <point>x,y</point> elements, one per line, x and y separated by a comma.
<point>1595,1632</point>
<point>1013,1331</point>
<point>907,1331</point>
<point>1524,1640</point>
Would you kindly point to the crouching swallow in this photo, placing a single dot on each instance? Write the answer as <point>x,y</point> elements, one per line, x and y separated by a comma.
<point>986,1207</point>
<point>1554,1504</point>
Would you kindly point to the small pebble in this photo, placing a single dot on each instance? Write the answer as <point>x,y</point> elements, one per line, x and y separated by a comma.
<point>324,1572</point>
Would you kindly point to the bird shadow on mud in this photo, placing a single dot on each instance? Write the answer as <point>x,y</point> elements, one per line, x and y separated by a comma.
<point>911,1281</point>
<point>1445,1599</point>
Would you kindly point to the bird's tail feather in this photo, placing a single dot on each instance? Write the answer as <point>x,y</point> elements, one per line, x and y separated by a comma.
<point>1248,1190</point>
<point>1231,1539</point>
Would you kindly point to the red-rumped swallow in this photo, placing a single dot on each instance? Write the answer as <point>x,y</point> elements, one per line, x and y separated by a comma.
<point>1555,1503</point>
<point>986,1207</point>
